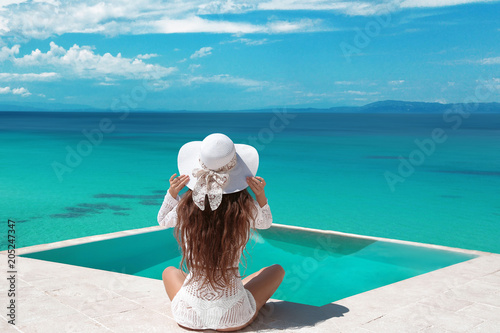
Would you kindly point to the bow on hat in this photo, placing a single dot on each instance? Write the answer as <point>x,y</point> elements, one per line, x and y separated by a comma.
<point>211,182</point>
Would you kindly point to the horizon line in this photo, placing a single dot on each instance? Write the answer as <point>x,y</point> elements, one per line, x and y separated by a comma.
<point>84,108</point>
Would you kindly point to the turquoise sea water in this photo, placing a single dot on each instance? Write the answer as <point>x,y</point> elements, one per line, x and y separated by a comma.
<point>325,171</point>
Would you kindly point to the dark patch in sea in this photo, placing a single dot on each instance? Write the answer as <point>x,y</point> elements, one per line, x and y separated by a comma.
<point>159,191</point>
<point>67,215</point>
<point>104,206</point>
<point>86,209</point>
<point>472,172</point>
<point>150,203</point>
<point>120,213</point>
<point>128,196</point>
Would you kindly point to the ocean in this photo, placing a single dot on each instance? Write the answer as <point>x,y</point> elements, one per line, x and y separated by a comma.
<point>431,178</point>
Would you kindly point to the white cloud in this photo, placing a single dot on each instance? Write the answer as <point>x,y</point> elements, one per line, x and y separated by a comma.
<point>44,18</point>
<point>147,56</point>
<point>308,25</point>
<point>355,92</point>
<point>198,24</point>
<point>15,91</point>
<point>82,62</point>
<point>192,67</point>
<point>224,79</point>
<point>7,53</point>
<point>361,93</point>
<point>484,61</point>
<point>347,83</point>
<point>438,3</point>
<point>354,8</point>
<point>359,8</point>
<point>223,7</point>
<point>6,3</point>
<point>159,85</point>
<point>493,83</point>
<point>490,61</point>
<point>4,28</point>
<point>251,42</point>
<point>396,82</point>
<point>50,76</point>
<point>203,52</point>
<point>21,91</point>
<point>52,2</point>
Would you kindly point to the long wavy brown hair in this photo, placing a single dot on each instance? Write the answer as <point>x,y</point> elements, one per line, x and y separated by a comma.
<point>212,241</point>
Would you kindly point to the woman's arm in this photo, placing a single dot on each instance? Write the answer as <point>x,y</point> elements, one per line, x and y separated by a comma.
<point>167,216</point>
<point>264,218</point>
<point>257,185</point>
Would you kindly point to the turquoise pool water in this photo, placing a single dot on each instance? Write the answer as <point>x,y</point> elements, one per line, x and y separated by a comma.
<point>320,268</point>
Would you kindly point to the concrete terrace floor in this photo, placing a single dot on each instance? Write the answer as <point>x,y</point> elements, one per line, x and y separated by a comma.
<point>55,297</point>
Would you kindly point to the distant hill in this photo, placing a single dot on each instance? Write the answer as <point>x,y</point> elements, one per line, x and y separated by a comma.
<point>423,107</point>
<point>388,106</point>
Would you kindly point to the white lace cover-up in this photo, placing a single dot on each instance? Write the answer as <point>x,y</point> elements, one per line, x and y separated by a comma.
<point>201,307</point>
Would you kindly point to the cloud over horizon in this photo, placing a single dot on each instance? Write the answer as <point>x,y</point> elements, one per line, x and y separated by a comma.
<point>203,52</point>
<point>15,91</point>
<point>82,62</point>
<point>44,18</point>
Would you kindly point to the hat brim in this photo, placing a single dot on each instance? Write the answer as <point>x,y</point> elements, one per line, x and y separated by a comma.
<point>246,165</point>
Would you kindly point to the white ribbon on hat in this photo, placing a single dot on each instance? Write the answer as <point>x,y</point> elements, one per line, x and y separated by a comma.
<point>211,182</point>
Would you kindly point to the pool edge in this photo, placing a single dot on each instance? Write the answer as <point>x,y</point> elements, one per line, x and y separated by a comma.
<point>99,237</point>
<point>390,240</point>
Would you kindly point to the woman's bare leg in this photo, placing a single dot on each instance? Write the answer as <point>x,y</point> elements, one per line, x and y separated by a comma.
<point>173,278</point>
<point>262,285</point>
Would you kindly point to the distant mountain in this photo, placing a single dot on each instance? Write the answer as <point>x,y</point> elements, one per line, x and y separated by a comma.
<point>388,106</point>
<point>424,107</point>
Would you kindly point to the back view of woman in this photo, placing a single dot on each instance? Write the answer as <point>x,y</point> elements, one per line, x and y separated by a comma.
<point>212,224</point>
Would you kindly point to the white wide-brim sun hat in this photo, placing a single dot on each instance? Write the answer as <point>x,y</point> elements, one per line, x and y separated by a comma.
<point>216,151</point>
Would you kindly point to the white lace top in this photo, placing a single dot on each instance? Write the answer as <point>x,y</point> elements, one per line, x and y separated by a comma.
<point>202,307</point>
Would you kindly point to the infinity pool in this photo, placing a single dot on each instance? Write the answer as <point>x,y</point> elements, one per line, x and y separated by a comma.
<point>320,267</point>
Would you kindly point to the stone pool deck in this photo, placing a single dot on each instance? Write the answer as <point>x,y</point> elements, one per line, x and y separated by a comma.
<point>55,297</point>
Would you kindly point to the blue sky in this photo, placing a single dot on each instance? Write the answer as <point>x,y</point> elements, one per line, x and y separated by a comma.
<point>229,55</point>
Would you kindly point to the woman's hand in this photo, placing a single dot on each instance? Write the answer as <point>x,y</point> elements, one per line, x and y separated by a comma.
<point>257,185</point>
<point>177,184</point>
